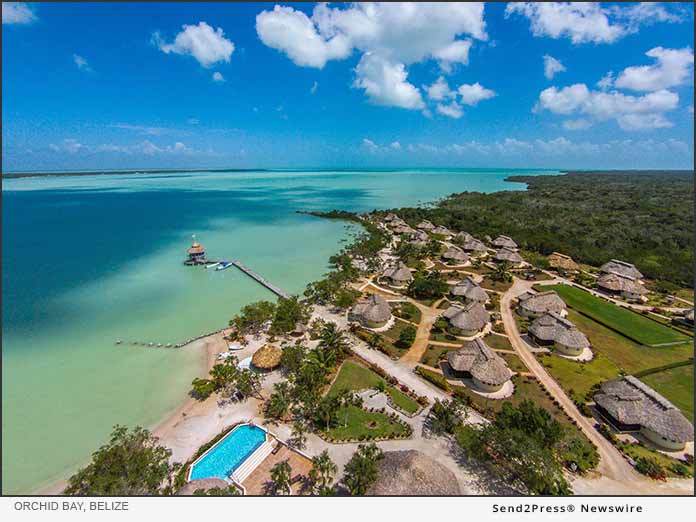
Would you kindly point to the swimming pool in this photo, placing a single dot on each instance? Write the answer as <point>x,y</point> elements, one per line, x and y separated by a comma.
<point>229,453</point>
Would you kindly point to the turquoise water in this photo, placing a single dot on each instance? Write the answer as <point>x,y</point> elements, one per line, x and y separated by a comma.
<point>226,456</point>
<point>90,259</point>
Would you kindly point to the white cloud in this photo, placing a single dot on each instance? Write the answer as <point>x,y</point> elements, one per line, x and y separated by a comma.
<point>141,129</point>
<point>589,22</point>
<point>69,145</point>
<point>81,63</point>
<point>193,121</point>
<point>552,66</point>
<point>439,90</point>
<point>17,13</point>
<point>607,81</point>
<point>314,88</point>
<point>453,110</point>
<point>205,44</point>
<point>395,145</point>
<point>579,124</point>
<point>370,145</point>
<point>390,37</point>
<point>218,77</point>
<point>631,112</point>
<point>672,67</point>
<point>472,94</point>
<point>386,83</point>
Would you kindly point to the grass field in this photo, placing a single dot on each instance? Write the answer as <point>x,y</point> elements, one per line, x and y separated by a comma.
<point>434,353</point>
<point>498,342</point>
<point>409,312</point>
<point>578,378</point>
<point>628,323</point>
<point>395,331</point>
<point>490,284</point>
<point>677,385</point>
<point>354,376</point>
<point>514,362</point>
<point>354,422</point>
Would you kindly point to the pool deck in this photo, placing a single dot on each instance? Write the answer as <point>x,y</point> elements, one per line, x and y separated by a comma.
<point>256,482</point>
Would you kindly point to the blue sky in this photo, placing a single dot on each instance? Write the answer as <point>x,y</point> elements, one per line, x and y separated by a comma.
<point>135,85</point>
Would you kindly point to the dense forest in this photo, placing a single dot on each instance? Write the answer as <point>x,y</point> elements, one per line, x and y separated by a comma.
<point>644,217</point>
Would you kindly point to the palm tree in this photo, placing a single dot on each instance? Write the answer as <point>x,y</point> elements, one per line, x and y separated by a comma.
<point>280,478</point>
<point>501,273</point>
<point>324,358</point>
<point>322,472</point>
<point>279,401</point>
<point>362,469</point>
<point>326,411</point>
<point>333,339</point>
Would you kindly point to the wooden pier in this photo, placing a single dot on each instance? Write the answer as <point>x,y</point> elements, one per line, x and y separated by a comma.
<point>261,280</point>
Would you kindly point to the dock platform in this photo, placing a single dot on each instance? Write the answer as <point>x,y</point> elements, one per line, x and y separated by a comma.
<point>261,280</point>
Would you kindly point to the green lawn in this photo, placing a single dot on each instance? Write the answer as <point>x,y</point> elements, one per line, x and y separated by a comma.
<point>409,312</point>
<point>436,353</point>
<point>394,332</point>
<point>677,385</point>
<point>354,422</point>
<point>577,378</point>
<point>498,342</point>
<point>630,324</point>
<point>354,376</point>
<point>635,451</point>
<point>514,362</point>
<point>490,284</point>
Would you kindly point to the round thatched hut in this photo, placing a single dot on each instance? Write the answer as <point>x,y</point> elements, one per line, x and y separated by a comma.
<point>267,357</point>
<point>373,312</point>
<point>413,473</point>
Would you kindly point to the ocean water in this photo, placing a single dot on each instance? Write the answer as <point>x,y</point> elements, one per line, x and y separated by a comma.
<point>91,259</point>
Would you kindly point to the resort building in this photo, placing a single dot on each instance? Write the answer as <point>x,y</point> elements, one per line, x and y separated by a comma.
<point>442,231</point>
<point>624,286</point>
<point>467,320</point>
<point>391,217</point>
<point>469,291</point>
<point>455,256</point>
<point>419,238</point>
<point>463,237</point>
<point>553,330</point>
<point>535,305</point>
<point>563,262</point>
<point>373,312</point>
<point>398,275</point>
<point>425,225</point>
<point>621,268</point>
<point>476,360</point>
<point>403,228</point>
<point>689,316</point>
<point>474,247</point>
<point>506,255</point>
<point>504,242</point>
<point>630,405</point>
<point>196,254</point>
<point>412,473</point>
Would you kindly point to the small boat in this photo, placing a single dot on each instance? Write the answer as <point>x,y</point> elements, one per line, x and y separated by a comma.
<point>223,265</point>
<point>233,347</point>
<point>212,265</point>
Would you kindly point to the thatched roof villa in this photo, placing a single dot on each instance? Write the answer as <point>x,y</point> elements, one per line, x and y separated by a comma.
<point>463,237</point>
<point>468,319</point>
<point>402,228</point>
<point>412,473</point>
<point>474,246</point>
<point>504,242</point>
<point>534,305</point>
<point>391,217</point>
<point>425,225</point>
<point>267,357</point>
<point>624,286</point>
<point>372,312</point>
<point>506,255</point>
<point>398,275</point>
<point>455,255</point>
<point>485,367</point>
<point>552,329</point>
<point>631,405</point>
<point>621,268</point>
<point>468,289</point>
<point>442,231</point>
<point>562,261</point>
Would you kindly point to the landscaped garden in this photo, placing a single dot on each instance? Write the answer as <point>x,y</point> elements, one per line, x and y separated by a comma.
<point>433,354</point>
<point>355,376</point>
<point>677,385</point>
<point>632,325</point>
<point>408,311</point>
<point>355,423</point>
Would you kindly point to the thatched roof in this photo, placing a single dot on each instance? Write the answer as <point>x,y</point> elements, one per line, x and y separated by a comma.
<point>622,268</point>
<point>412,473</point>
<point>504,241</point>
<point>399,273</point>
<point>505,254</point>
<point>554,328</point>
<point>474,245</point>
<point>391,217</point>
<point>196,248</point>
<point>403,228</point>
<point>425,225</point>
<point>558,260</point>
<point>205,484</point>
<point>456,254</point>
<point>632,402</point>
<point>471,316</point>
<point>267,357</point>
<point>463,237</point>
<point>373,309</point>
<point>468,289</point>
<point>689,315</point>
<point>477,358</point>
<point>542,302</point>
<point>618,283</point>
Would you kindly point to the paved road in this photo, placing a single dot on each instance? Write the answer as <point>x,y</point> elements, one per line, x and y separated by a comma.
<point>616,471</point>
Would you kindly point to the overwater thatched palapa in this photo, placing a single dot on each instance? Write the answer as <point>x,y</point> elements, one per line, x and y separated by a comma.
<point>267,357</point>
<point>412,473</point>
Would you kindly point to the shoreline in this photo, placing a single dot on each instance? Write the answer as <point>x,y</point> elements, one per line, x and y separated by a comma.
<point>209,347</point>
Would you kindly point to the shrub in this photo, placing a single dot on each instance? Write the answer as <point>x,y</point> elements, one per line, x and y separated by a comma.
<point>433,378</point>
<point>650,467</point>
<point>680,469</point>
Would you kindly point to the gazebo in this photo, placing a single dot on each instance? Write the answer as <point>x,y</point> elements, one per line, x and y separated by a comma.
<point>267,357</point>
<point>196,254</point>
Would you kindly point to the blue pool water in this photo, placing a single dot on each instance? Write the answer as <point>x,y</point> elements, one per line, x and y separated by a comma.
<point>229,453</point>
